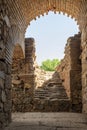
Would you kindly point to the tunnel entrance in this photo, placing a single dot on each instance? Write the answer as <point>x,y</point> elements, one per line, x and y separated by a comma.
<point>15,16</point>
<point>35,90</point>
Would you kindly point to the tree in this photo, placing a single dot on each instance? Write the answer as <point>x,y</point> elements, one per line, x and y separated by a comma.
<point>50,65</point>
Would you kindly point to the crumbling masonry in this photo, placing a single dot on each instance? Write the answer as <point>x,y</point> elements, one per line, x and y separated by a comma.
<point>61,92</point>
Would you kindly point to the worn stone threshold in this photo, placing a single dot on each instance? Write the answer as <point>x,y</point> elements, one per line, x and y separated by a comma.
<point>48,121</point>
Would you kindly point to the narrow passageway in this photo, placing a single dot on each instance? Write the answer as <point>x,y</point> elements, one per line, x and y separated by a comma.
<point>35,90</point>
<point>15,16</point>
<point>48,121</point>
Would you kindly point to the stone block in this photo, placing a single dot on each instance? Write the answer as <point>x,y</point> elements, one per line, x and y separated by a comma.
<point>0,94</point>
<point>8,106</point>
<point>7,81</point>
<point>1,106</point>
<point>84,67</point>
<point>1,83</point>
<point>3,96</point>
<point>85,108</point>
<point>9,69</point>
<point>2,117</point>
<point>2,54</point>
<point>3,67</point>
<point>84,34</point>
<point>8,94</point>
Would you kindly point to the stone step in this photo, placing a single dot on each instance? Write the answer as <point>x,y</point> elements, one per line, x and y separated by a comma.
<point>48,121</point>
<point>54,83</point>
<point>52,90</point>
<point>51,97</point>
<point>48,95</point>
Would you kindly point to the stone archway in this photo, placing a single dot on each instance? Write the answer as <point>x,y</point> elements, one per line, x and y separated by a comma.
<point>17,66</point>
<point>23,76</point>
<point>21,13</point>
<point>17,57</point>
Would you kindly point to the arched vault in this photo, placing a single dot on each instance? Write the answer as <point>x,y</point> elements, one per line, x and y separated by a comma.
<point>24,11</point>
<point>18,52</point>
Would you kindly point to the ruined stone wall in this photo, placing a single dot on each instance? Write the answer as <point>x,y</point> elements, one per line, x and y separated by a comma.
<point>64,70</point>
<point>50,96</point>
<point>41,76</point>
<point>75,74</point>
<point>5,67</point>
<point>23,82</point>
<point>70,72</point>
<point>83,24</point>
<point>23,78</point>
<point>27,78</point>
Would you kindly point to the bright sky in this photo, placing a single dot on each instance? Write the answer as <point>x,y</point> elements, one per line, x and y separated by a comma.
<point>50,33</point>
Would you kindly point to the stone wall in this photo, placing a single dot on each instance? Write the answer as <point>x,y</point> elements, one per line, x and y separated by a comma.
<point>23,77</point>
<point>83,24</point>
<point>5,67</point>
<point>41,76</point>
<point>70,72</point>
<point>49,96</point>
<point>64,69</point>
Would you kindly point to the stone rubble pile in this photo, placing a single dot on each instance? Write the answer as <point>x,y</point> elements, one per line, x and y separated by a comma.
<point>52,95</point>
<point>51,89</point>
<point>41,76</point>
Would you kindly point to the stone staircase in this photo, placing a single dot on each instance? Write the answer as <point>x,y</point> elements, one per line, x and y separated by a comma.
<point>52,93</point>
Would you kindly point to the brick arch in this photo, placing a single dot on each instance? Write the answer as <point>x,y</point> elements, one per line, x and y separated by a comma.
<point>38,8</point>
<point>17,52</point>
<point>24,11</point>
<point>61,13</point>
<point>17,57</point>
<point>17,36</point>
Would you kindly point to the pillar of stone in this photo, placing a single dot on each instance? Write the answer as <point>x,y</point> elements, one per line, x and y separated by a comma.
<point>30,63</point>
<point>23,77</point>
<point>5,67</point>
<point>75,74</point>
<point>83,21</point>
<point>70,72</point>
